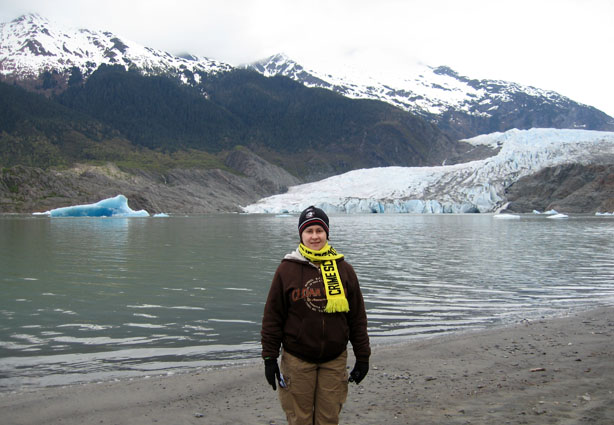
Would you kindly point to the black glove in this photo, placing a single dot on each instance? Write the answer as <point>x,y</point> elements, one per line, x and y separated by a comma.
<point>359,372</point>
<point>271,371</point>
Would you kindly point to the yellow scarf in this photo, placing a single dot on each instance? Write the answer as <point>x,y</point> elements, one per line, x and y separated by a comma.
<point>327,257</point>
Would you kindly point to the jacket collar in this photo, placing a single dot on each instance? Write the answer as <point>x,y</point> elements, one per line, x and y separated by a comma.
<point>298,257</point>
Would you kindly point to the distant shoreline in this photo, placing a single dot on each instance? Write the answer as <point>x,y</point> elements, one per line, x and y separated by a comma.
<point>556,370</point>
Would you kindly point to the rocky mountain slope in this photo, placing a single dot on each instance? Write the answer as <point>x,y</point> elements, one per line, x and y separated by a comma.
<point>572,188</point>
<point>30,189</point>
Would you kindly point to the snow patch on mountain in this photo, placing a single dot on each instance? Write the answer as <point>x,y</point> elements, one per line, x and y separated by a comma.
<point>477,186</point>
<point>31,44</point>
<point>423,89</point>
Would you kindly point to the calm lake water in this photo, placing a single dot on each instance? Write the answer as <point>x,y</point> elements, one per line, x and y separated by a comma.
<point>89,299</point>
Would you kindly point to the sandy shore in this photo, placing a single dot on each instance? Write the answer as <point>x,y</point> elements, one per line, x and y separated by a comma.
<point>555,371</point>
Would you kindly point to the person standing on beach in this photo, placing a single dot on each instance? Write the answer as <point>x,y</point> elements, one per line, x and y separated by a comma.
<point>314,307</point>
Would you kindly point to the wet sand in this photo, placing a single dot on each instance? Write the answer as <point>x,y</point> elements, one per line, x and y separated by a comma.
<point>551,371</point>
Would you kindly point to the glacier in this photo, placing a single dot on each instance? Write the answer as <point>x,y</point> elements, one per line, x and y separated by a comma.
<point>472,187</point>
<point>110,207</point>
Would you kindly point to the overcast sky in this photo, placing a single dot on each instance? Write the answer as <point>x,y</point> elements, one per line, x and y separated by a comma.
<point>561,45</point>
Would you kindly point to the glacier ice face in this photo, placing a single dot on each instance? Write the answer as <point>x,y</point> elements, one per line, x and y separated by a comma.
<point>111,207</point>
<point>477,186</point>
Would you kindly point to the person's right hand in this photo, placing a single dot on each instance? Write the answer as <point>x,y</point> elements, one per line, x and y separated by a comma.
<point>272,373</point>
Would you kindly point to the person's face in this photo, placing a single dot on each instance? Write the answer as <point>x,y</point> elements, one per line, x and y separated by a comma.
<point>314,237</point>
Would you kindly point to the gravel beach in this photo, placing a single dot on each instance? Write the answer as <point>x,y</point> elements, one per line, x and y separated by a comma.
<point>549,371</point>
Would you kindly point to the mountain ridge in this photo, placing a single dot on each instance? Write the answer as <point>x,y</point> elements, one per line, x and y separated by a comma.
<point>461,106</point>
<point>32,45</point>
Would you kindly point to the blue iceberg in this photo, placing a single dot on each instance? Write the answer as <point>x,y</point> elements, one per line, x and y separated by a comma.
<point>111,207</point>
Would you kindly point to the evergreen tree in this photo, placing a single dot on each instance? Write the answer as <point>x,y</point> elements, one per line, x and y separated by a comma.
<point>76,76</point>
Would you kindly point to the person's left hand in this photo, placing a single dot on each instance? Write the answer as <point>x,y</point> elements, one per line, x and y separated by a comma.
<point>359,372</point>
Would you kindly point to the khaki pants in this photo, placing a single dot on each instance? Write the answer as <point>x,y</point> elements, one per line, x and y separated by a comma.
<point>315,392</point>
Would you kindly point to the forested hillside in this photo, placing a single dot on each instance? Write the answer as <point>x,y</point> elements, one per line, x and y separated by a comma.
<point>119,115</point>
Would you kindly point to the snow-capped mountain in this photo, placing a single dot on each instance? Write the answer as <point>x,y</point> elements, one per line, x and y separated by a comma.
<point>477,186</point>
<point>429,91</point>
<point>31,45</point>
<point>32,49</point>
<point>467,106</point>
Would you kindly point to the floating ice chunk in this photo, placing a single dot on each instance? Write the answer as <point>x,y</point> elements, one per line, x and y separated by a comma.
<point>163,215</point>
<point>111,207</point>
<point>556,216</point>
<point>506,216</point>
<point>604,213</point>
<point>551,212</point>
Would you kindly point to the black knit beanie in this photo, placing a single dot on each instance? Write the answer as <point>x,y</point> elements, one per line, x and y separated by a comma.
<point>310,216</point>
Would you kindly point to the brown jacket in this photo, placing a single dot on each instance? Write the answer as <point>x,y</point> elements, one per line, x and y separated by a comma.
<point>294,314</point>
